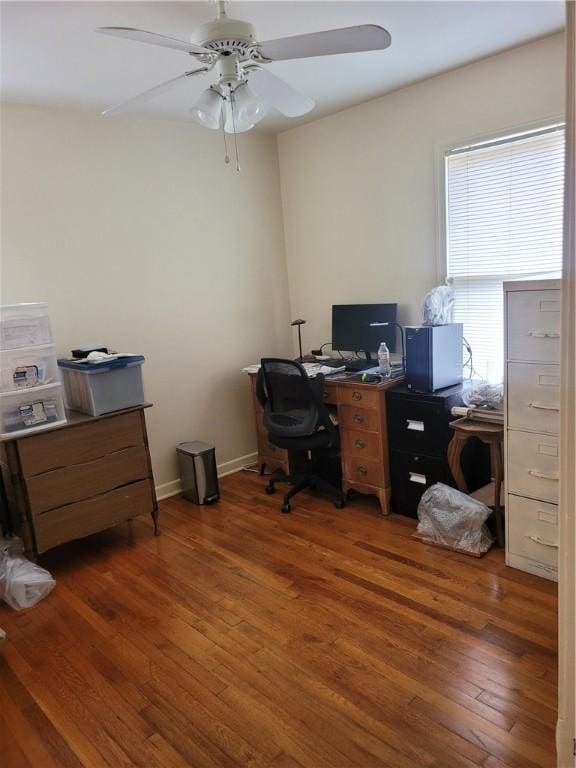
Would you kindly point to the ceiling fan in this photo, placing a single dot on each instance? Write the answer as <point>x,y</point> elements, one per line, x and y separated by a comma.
<point>244,88</point>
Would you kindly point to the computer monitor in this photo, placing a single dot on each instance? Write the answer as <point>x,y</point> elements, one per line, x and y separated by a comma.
<point>352,330</point>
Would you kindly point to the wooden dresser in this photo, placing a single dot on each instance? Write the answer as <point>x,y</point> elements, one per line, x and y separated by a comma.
<point>82,477</point>
<point>532,407</point>
<point>363,436</point>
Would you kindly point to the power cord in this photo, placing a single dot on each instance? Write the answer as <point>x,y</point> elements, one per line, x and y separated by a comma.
<point>469,363</point>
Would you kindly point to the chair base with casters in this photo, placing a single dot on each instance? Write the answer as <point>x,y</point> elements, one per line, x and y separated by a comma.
<point>308,478</point>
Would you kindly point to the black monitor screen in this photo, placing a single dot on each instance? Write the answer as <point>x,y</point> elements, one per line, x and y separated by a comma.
<point>351,330</point>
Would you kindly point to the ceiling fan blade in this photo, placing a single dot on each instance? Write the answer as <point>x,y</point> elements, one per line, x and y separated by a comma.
<point>141,36</point>
<point>279,94</point>
<point>367,37</point>
<point>142,98</point>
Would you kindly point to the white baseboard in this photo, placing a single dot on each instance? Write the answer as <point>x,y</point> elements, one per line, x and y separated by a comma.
<point>174,487</point>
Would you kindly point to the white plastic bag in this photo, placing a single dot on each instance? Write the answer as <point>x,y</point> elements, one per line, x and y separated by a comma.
<point>439,305</point>
<point>482,394</point>
<point>22,583</point>
<point>453,519</point>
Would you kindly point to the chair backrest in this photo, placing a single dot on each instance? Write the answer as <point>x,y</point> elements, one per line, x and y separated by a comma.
<point>293,403</point>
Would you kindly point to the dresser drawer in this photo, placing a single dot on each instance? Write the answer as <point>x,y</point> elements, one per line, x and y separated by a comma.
<point>79,444</point>
<point>533,530</point>
<point>92,515</point>
<point>534,397</point>
<point>362,396</point>
<point>418,427</point>
<point>360,419</point>
<point>82,481</point>
<point>534,325</point>
<point>360,470</point>
<point>533,465</point>
<point>361,444</point>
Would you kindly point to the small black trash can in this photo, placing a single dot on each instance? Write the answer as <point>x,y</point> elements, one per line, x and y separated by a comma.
<point>197,465</point>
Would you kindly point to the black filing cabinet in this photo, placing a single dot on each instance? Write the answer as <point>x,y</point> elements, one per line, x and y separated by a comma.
<point>418,437</point>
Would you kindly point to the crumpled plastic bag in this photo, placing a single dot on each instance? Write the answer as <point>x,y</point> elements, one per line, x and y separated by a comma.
<point>453,519</point>
<point>438,306</point>
<point>482,394</point>
<point>22,583</point>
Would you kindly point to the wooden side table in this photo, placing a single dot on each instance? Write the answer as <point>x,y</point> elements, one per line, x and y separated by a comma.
<point>492,434</point>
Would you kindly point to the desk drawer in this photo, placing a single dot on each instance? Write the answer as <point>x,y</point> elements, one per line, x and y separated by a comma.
<point>92,515</point>
<point>79,444</point>
<point>82,481</point>
<point>360,419</point>
<point>361,444</point>
<point>361,396</point>
<point>418,427</point>
<point>534,325</point>
<point>533,465</point>
<point>533,530</point>
<point>360,470</point>
<point>534,397</point>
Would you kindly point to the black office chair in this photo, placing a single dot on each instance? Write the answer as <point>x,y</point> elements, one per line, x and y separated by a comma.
<point>297,419</point>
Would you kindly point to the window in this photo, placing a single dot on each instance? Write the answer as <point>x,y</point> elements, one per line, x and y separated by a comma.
<point>504,202</point>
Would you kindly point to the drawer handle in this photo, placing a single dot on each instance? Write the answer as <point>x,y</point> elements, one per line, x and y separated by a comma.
<point>416,426</point>
<point>544,406</point>
<point>360,444</point>
<point>358,419</point>
<point>544,334</point>
<point>544,543</point>
<point>416,477</point>
<point>362,470</point>
<point>543,475</point>
<point>356,396</point>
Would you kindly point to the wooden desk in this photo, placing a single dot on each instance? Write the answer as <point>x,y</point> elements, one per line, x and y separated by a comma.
<point>78,478</point>
<point>363,436</point>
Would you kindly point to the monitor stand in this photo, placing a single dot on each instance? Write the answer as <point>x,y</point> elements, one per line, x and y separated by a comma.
<point>361,365</point>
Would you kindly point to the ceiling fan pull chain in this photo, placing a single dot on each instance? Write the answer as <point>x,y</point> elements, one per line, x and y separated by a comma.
<point>233,110</point>
<point>226,155</point>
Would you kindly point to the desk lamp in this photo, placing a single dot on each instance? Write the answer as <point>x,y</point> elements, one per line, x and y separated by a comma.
<point>299,323</point>
<point>379,325</point>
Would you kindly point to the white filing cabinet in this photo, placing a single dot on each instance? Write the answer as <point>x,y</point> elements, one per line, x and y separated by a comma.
<point>532,392</point>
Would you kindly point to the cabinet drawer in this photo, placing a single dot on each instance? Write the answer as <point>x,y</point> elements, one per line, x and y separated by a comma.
<point>418,427</point>
<point>79,444</point>
<point>534,397</point>
<point>411,475</point>
<point>361,419</point>
<point>534,325</point>
<point>533,530</point>
<point>362,396</point>
<point>361,444</point>
<point>92,515</point>
<point>82,481</point>
<point>533,465</point>
<point>360,470</point>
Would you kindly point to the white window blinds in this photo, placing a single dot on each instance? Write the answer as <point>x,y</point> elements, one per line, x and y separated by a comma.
<point>503,222</point>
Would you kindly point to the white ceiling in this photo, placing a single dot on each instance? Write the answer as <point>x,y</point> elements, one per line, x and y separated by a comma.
<point>51,56</point>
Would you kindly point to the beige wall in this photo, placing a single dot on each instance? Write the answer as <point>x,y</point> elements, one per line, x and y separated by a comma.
<point>360,189</point>
<point>138,236</point>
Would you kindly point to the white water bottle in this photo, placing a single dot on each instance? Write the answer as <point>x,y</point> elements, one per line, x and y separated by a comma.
<point>384,360</point>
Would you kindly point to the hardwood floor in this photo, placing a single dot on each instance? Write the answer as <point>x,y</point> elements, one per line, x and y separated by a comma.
<point>244,637</point>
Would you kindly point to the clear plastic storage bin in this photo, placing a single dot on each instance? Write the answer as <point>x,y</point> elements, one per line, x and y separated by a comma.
<point>28,410</point>
<point>28,367</point>
<point>97,388</point>
<point>24,325</point>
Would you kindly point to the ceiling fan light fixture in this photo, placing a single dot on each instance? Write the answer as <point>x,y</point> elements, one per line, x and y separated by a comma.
<point>250,109</point>
<point>231,122</point>
<point>207,110</point>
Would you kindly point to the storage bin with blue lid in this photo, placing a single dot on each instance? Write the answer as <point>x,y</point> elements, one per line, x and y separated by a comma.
<point>112,384</point>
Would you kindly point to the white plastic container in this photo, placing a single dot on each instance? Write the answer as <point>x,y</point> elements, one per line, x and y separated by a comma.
<point>28,367</point>
<point>24,325</point>
<point>28,410</point>
<point>97,388</point>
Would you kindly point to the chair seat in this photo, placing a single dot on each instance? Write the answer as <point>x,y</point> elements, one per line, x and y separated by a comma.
<point>317,440</point>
